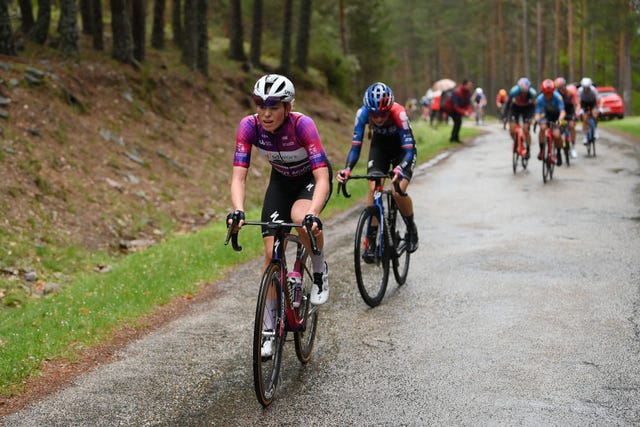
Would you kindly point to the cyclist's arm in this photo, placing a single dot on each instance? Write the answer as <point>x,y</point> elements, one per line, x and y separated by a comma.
<point>362,116</point>
<point>540,105</point>
<point>238,187</point>
<point>320,191</point>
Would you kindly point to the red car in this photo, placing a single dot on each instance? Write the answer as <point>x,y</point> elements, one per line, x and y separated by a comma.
<point>612,104</point>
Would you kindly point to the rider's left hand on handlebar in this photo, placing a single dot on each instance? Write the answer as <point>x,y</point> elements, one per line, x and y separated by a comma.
<point>236,216</point>
<point>397,174</point>
<point>316,224</point>
<point>343,175</point>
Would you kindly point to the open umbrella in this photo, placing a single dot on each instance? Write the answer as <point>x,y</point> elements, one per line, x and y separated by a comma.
<point>444,85</point>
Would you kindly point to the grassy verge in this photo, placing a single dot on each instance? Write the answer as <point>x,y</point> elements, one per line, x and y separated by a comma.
<point>628,125</point>
<point>93,305</point>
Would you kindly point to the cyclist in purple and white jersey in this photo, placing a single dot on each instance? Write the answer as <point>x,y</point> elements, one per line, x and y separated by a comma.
<point>300,182</point>
<point>392,146</point>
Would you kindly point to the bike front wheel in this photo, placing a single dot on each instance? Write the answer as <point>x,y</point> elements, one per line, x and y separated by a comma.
<point>400,255</point>
<point>514,157</point>
<point>546,162</point>
<point>268,326</point>
<point>371,266</point>
<point>305,339</point>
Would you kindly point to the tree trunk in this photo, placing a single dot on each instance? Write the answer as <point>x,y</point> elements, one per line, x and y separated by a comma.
<point>203,39</point>
<point>304,30</point>
<point>40,30</point>
<point>256,34</point>
<point>26,11</point>
<point>85,14</point>
<point>121,30</point>
<point>571,43</point>
<point>190,41</point>
<point>98,27</point>
<point>176,23</point>
<point>7,42</point>
<point>583,38</point>
<point>69,27</point>
<point>627,82</point>
<point>502,46</point>
<point>555,66</point>
<point>540,40</point>
<point>138,29</point>
<point>157,32</point>
<point>236,46</point>
<point>287,30</point>
<point>525,39</point>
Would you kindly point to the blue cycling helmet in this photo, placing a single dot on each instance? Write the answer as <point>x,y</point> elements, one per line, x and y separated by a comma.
<point>378,98</point>
<point>524,84</point>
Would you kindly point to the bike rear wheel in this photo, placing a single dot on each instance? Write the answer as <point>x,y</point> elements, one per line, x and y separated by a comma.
<point>268,325</point>
<point>591,137</point>
<point>305,339</point>
<point>400,233</point>
<point>372,274</point>
<point>546,162</point>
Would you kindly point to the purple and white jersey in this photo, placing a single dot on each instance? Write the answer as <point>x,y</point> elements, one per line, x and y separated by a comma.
<point>293,150</point>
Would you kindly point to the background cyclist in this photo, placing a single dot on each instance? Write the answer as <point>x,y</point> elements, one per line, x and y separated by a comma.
<point>549,109</point>
<point>589,103</point>
<point>521,104</point>
<point>502,99</point>
<point>392,145</point>
<point>479,102</point>
<point>300,181</point>
<point>568,93</point>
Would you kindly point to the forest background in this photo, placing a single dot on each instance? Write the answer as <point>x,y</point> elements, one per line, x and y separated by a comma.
<point>407,43</point>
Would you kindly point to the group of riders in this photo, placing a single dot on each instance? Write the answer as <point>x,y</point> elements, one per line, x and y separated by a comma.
<point>559,105</point>
<point>301,176</point>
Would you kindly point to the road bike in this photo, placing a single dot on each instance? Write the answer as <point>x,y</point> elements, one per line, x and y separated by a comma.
<point>519,150</point>
<point>548,157</point>
<point>283,305</point>
<point>381,239</point>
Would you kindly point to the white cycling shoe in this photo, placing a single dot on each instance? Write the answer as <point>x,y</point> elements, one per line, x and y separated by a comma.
<point>267,348</point>
<point>320,288</point>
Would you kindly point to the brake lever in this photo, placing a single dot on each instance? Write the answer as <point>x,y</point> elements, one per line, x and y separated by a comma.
<point>308,224</point>
<point>233,236</point>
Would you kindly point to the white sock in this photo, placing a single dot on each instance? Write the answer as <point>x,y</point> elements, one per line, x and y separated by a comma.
<point>318,262</point>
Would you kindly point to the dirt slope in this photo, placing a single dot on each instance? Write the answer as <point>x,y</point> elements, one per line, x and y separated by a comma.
<point>97,154</point>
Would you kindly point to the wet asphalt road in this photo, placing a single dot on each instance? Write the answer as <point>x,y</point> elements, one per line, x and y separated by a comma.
<point>522,307</point>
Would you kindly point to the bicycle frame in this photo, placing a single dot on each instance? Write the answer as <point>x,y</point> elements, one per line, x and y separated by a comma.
<point>378,202</point>
<point>548,158</point>
<point>293,322</point>
<point>518,148</point>
<point>274,287</point>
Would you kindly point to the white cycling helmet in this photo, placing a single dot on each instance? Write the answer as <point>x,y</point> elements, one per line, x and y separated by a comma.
<point>586,82</point>
<point>272,88</point>
<point>479,91</point>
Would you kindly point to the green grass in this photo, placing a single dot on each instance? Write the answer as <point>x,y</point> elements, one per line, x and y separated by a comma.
<point>628,125</point>
<point>93,305</point>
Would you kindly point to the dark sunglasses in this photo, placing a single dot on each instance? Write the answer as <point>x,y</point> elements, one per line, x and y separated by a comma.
<point>271,101</point>
<point>379,113</point>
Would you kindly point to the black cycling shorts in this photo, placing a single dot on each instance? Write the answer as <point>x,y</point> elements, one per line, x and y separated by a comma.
<point>282,192</point>
<point>588,105</point>
<point>386,153</point>
<point>524,111</point>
